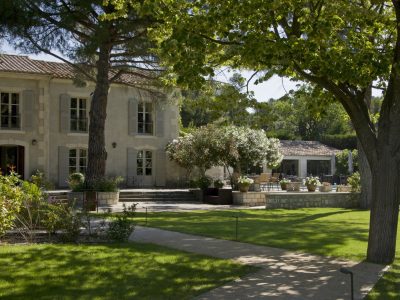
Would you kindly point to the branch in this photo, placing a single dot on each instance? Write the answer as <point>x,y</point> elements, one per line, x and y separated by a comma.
<point>75,66</point>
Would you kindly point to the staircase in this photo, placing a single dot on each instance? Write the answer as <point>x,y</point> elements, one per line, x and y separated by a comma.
<point>180,196</point>
<point>142,195</point>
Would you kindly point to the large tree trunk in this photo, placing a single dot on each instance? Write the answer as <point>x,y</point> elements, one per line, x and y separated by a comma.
<point>366,178</point>
<point>97,154</point>
<point>384,210</point>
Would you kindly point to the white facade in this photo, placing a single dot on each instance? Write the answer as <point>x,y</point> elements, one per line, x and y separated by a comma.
<point>46,132</point>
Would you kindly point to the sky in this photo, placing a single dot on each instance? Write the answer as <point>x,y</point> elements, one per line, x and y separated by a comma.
<point>274,88</point>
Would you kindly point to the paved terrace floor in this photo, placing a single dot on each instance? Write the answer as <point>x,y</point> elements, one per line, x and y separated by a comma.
<point>283,274</point>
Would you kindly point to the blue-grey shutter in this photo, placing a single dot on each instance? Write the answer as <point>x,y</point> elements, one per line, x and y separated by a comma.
<point>65,101</point>
<point>132,116</point>
<point>63,172</point>
<point>131,166</point>
<point>159,120</point>
<point>28,107</point>
<point>160,167</point>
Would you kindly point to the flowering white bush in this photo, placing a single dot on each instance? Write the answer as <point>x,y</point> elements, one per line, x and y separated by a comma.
<point>210,146</point>
<point>245,180</point>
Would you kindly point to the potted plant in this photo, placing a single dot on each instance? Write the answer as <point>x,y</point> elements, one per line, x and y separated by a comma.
<point>312,183</point>
<point>244,183</point>
<point>104,191</point>
<point>325,187</point>
<point>284,183</point>
<point>218,184</point>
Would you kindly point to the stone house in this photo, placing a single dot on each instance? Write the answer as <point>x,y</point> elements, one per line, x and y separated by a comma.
<point>304,158</point>
<point>44,125</point>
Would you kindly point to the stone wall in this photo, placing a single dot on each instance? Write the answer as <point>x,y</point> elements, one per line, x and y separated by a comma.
<point>292,200</point>
<point>249,198</point>
<point>314,199</point>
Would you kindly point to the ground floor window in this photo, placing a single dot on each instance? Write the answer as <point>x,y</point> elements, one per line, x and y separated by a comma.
<point>288,167</point>
<point>12,159</point>
<point>318,167</point>
<point>144,163</point>
<point>77,160</point>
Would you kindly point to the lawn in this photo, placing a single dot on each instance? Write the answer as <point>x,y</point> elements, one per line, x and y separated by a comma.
<point>109,271</point>
<point>324,231</point>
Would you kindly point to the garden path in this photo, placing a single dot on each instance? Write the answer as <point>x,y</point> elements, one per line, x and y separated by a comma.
<point>282,275</point>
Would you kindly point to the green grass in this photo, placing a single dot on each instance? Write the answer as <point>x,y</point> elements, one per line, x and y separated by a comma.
<point>109,271</point>
<point>324,231</point>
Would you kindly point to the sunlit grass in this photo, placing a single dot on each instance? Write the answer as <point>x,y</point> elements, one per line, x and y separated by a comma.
<point>109,271</point>
<point>323,231</point>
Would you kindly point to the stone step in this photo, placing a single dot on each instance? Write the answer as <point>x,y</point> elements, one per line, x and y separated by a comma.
<point>151,199</point>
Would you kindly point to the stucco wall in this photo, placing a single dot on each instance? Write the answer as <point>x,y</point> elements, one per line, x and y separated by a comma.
<point>45,154</point>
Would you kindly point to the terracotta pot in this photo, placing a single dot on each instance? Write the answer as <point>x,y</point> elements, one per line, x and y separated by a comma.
<point>244,188</point>
<point>311,187</point>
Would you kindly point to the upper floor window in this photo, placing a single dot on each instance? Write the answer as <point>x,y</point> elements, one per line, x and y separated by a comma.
<point>77,160</point>
<point>145,118</point>
<point>78,115</point>
<point>10,117</point>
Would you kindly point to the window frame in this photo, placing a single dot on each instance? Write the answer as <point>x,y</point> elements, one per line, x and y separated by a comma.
<point>9,114</point>
<point>78,119</point>
<point>142,125</point>
<point>142,158</point>
<point>77,167</point>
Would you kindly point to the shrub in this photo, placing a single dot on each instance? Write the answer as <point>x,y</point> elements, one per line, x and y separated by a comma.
<point>340,141</point>
<point>355,182</point>
<point>110,184</point>
<point>204,182</point>
<point>218,183</point>
<point>342,161</point>
<point>11,197</point>
<point>76,182</point>
<point>27,220</point>
<point>41,181</point>
<point>121,227</point>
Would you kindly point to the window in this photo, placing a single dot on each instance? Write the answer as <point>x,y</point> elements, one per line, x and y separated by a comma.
<point>145,118</point>
<point>78,115</point>
<point>288,167</point>
<point>144,163</point>
<point>318,167</point>
<point>77,160</point>
<point>10,118</point>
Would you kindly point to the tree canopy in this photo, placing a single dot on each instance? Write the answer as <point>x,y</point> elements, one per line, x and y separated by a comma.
<point>104,41</point>
<point>343,47</point>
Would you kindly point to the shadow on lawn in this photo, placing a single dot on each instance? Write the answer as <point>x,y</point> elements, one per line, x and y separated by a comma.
<point>109,271</point>
<point>325,233</point>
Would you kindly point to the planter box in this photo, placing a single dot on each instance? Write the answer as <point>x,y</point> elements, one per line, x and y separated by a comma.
<point>220,197</point>
<point>293,186</point>
<point>343,189</point>
<point>103,198</point>
<point>325,188</point>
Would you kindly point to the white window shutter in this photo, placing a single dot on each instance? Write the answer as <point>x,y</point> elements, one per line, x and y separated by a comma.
<point>160,167</point>
<point>159,120</point>
<point>65,101</point>
<point>28,113</point>
<point>63,171</point>
<point>132,116</point>
<point>131,166</point>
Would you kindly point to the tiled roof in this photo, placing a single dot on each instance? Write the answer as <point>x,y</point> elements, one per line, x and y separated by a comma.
<point>306,148</point>
<point>24,64</point>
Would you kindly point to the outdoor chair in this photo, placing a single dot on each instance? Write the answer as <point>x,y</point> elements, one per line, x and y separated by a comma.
<point>274,180</point>
<point>263,180</point>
